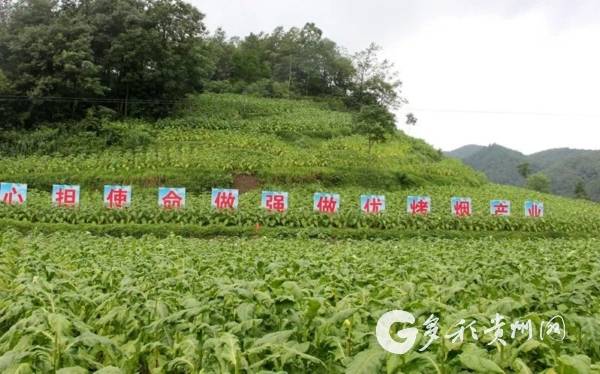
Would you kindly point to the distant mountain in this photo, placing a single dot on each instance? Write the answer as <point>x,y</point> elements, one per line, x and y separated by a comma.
<point>546,158</point>
<point>564,166</point>
<point>464,151</point>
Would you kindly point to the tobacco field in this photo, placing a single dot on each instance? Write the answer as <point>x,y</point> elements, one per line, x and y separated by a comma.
<point>145,290</point>
<point>563,216</point>
<point>76,303</point>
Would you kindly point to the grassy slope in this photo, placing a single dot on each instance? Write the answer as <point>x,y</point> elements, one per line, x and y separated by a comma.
<point>280,141</point>
<point>298,146</point>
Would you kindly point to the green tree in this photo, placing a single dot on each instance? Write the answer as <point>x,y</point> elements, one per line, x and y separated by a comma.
<point>524,169</point>
<point>7,114</point>
<point>375,123</point>
<point>310,63</point>
<point>133,51</point>
<point>221,51</point>
<point>297,61</point>
<point>538,182</point>
<point>375,80</point>
<point>4,86</point>
<point>249,62</point>
<point>580,192</point>
<point>49,54</point>
<point>5,8</point>
<point>149,50</point>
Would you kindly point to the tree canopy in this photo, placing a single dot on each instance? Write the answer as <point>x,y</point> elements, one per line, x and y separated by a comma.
<point>58,59</point>
<point>580,192</point>
<point>538,182</point>
<point>524,169</point>
<point>62,57</point>
<point>375,123</point>
<point>302,62</point>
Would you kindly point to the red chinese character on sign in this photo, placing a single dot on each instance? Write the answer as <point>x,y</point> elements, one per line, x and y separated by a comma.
<point>66,197</point>
<point>117,198</point>
<point>275,202</point>
<point>419,206</point>
<point>8,197</point>
<point>462,208</point>
<point>327,204</point>
<point>500,209</point>
<point>171,200</point>
<point>373,205</point>
<point>225,200</point>
<point>534,210</point>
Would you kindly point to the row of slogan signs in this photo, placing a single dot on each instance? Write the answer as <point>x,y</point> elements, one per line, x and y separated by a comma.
<point>173,198</point>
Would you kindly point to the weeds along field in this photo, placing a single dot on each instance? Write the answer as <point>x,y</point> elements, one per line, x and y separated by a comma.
<point>563,217</point>
<point>76,303</point>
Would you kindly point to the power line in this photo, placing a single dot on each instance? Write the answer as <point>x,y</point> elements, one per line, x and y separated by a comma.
<point>476,111</point>
<point>163,101</point>
<point>86,99</point>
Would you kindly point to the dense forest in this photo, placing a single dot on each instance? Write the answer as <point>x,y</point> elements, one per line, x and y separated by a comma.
<point>64,60</point>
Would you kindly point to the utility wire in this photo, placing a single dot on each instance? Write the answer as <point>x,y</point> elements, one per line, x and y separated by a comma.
<point>85,99</point>
<point>157,101</point>
<point>469,111</point>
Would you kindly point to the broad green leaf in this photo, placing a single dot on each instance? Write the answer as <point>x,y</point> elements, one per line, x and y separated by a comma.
<point>11,358</point>
<point>579,364</point>
<point>520,367</point>
<point>479,363</point>
<point>72,370</point>
<point>110,370</point>
<point>366,362</point>
<point>278,337</point>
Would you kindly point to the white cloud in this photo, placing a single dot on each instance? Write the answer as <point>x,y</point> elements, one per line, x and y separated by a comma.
<point>523,74</point>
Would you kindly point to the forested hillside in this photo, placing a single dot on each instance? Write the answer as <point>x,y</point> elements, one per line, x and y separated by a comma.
<point>566,168</point>
<point>66,60</point>
<point>464,151</point>
<point>498,163</point>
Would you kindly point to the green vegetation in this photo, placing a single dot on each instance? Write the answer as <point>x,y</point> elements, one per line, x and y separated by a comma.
<point>538,182</point>
<point>145,290</point>
<point>500,164</point>
<point>580,192</point>
<point>465,151</point>
<point>281,142</point>
<point>571,172</point>
<point>181,305</point>
<point>524,169</point>
<point>66,60</point>
<point>563,217</point>
<point>63,58</point>
<point>299,146</point>
<point>375,123</point>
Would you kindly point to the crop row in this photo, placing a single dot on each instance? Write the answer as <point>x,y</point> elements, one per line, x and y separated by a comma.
<point>300,218</point>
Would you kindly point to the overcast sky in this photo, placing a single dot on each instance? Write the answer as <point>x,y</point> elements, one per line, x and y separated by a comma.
<point>524,74</point>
